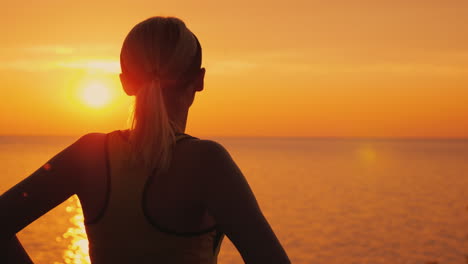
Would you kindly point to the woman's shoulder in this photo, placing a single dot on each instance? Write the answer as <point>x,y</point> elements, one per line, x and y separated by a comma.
<point>209,148</point>
<point>93,136</point>
<point>91,140</point>
<point>89,147</point>
<point>210,156</point>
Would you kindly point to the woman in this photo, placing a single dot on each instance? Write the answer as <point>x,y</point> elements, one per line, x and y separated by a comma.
<point>151,194</point>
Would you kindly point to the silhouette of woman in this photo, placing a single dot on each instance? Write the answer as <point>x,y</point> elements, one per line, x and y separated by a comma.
<point>150,194</point>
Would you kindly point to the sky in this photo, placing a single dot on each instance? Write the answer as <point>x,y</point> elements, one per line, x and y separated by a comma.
<point>393,69</point>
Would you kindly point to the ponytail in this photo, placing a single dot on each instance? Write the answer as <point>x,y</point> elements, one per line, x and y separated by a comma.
<point>153,134</point>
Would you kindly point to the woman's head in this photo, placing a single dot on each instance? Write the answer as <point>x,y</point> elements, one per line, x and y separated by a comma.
<point>159,47</point>
<point>160,61</point>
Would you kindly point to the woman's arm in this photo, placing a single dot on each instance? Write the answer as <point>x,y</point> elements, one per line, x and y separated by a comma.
<point>43,190</point>
<point>230,200</point>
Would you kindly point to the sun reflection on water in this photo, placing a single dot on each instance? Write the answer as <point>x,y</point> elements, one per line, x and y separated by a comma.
<point>77,249</point>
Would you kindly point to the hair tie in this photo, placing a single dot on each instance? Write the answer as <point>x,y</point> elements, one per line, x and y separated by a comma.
<point>154,77</point>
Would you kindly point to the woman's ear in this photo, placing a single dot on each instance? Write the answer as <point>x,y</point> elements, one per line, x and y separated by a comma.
<point>199,80</point>
<point>127,85</point>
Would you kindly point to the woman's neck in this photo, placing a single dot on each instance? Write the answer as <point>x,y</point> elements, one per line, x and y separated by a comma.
<point>180,119</point>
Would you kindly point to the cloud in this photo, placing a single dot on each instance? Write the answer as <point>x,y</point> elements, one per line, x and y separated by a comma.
<point>99,65</point>
<point>239,67</point>
<point>231,67</point>
<point>40,58</point>
<point>390,68</point>
<point>83,50</point>
<point>46,50</point>
<point>289,62</point>
<point>296,63</point>
<point>107,66</point>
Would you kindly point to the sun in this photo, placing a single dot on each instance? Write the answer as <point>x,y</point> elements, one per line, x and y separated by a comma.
<point>96,94</point>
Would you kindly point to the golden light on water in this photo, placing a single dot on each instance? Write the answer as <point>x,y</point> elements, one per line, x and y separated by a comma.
<point>96,94</point>
<point>77,251</point>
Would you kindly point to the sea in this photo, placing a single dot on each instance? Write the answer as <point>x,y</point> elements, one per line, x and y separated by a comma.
<point>333,201</point>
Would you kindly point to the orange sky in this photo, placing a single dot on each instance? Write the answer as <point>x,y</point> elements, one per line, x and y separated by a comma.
<point>274,68</point>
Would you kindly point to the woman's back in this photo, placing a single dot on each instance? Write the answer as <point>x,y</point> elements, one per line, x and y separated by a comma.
<point>149,219</point>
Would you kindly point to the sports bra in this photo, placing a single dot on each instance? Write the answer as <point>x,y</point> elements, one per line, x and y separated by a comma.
<point>124,233</point>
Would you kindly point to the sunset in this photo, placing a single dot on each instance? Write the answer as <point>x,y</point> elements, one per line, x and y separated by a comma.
<point>96,93</point>
<point>348,120</point>
<point>305,68</point>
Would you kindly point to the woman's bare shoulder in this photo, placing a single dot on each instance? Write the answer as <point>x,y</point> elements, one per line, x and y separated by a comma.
<point>89,144</point>
<point>210,148</point>
<point>91,138</point>
<point>88,151</point>
<point>209,156</point>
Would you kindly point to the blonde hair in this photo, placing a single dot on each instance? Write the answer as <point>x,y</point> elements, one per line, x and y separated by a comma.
<point>161,55</point>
